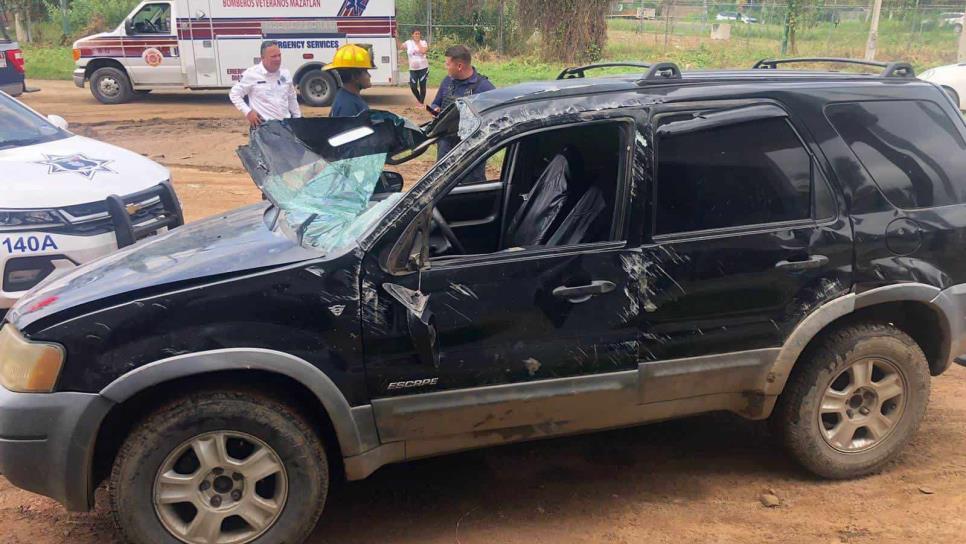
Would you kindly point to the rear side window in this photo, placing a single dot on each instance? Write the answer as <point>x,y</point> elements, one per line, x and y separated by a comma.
<point>911,149</point>
<point>729,176</point>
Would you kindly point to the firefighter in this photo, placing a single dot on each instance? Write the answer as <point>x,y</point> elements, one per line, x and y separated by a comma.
<point>352,63</point>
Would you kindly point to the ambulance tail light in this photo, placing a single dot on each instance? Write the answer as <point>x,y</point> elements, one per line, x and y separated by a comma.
<point>76,54</point>
<point>15,59</point>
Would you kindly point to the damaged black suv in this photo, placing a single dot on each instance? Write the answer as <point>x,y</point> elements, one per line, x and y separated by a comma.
<point>595,253</point>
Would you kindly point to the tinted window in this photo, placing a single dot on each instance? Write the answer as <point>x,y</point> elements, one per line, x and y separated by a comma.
<point>745,174</point>
<point>912,150</point>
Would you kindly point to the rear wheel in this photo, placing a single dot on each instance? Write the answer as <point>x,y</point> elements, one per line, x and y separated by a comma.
<point>220,467</point>
<point>111,85</point>
<point>318,88</point>
<point>856,401</point>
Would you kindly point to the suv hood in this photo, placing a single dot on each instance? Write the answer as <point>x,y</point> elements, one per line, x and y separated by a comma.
<point>74,170</point>
<point>228,244</point>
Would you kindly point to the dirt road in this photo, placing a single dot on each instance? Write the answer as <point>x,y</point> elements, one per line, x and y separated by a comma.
<point>697,480</point>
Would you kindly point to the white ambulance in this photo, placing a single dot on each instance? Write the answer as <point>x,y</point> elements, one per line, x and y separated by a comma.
<point>207,44</point>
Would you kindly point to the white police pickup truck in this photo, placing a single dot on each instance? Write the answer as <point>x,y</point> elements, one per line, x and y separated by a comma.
<point>66,199</point>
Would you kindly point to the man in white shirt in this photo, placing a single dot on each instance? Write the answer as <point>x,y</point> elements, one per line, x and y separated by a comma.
<point>268,86</point>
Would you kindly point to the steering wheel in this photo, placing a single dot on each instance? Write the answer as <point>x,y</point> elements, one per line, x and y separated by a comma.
<point>447,231</point>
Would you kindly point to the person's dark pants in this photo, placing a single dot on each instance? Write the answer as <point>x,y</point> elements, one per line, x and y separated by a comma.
<point>476,175</point>
<point>417,83</point>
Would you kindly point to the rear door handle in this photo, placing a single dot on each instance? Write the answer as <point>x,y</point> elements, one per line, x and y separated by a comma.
<point>583,293</point>
<point>815,261</point>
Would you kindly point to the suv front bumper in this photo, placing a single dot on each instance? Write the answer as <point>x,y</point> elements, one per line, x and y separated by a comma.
<point>46,443</point>
<point>80,75</point>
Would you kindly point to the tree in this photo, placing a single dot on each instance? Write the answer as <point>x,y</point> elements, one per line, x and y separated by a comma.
<point>572,30</point>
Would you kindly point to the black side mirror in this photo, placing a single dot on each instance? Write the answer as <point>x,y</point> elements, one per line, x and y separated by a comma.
<point>389,182</point>
<point>128,27</point>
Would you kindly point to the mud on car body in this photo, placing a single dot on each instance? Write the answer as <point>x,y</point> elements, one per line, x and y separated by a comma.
<point>774,243</point>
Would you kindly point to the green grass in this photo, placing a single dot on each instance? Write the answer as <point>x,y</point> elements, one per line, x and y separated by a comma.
<point>689,45</point>
<point>47,62</point>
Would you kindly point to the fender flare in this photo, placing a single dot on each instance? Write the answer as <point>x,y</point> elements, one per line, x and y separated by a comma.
<point>816,322</point>
<point>354,427</point>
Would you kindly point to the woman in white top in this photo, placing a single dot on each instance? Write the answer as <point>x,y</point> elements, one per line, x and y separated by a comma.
<point>416,49</point>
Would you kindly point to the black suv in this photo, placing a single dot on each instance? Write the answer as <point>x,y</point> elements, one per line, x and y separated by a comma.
<point>594,253</point>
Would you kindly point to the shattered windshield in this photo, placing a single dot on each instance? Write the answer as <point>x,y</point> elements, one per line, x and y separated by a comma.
<point>325,175</point>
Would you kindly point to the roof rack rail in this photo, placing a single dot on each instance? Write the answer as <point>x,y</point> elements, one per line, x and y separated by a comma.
<point>663,70</point>
<point>578,71</point>
<point>889,69</point>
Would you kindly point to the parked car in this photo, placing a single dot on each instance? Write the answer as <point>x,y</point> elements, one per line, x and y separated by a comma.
<point>736,16</point>
<point>11,64</point>
<point>952,78</point>
<point>67,199</point>
<point>953,19</point>
<point>775,243</point>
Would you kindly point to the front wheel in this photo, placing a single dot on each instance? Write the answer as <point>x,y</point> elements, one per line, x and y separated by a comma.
<point>221,466</point>
<point>318,88</point>
<point>111,85</point>
<point>856,401</point>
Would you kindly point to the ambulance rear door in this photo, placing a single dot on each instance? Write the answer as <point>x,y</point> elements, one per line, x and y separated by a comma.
<point>197,43</point>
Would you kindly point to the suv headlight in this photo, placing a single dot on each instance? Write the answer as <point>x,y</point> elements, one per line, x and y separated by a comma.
<point>28,367</point>
<point>29,219</point>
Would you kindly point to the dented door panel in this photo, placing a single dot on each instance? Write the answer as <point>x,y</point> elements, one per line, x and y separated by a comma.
<point>721,294</point>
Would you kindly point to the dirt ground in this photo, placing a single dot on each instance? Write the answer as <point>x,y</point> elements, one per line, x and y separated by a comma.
<point>696,480</point>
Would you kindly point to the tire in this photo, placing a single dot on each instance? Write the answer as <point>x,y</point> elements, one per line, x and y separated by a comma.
<point>268,435</point>
<point>111,85</point>
<point>958,28</point>
<point>318,88</point>
<point>830,424</point>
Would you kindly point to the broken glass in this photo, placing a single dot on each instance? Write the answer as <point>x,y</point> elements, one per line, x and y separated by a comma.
<point>321,173</point>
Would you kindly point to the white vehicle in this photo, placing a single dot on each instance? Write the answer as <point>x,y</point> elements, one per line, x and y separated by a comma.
<point>952,78</point>
<point>208,44</point>
<point>67,199</point>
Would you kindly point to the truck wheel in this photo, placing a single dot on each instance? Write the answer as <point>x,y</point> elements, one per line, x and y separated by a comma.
<point>318,88</point>
<point>111,86</point>
<point>855,402</point>
<point>221,466</point>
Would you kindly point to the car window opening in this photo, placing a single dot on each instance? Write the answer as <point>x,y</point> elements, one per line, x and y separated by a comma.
<point>555,188</point>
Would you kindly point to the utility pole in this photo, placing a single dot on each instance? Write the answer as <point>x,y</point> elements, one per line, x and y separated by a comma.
<point>502,22</point>
<point>961,57</point>
<point>429,20</point>
<point>870,46</point>
<point>64,19</point>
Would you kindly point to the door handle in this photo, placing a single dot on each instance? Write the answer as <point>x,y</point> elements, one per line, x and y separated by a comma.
<point>815,261</point>
<point>583,293</point>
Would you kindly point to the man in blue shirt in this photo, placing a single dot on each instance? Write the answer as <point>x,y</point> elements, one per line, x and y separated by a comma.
<point>462,80</point>
<point>352,64</point>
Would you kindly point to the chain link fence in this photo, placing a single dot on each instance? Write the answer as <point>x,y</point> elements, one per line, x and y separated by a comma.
<point>924,34</point>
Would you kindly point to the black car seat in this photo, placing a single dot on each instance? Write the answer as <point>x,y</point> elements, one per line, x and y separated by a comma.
<point>547,201</point>
<point>584,223</point>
